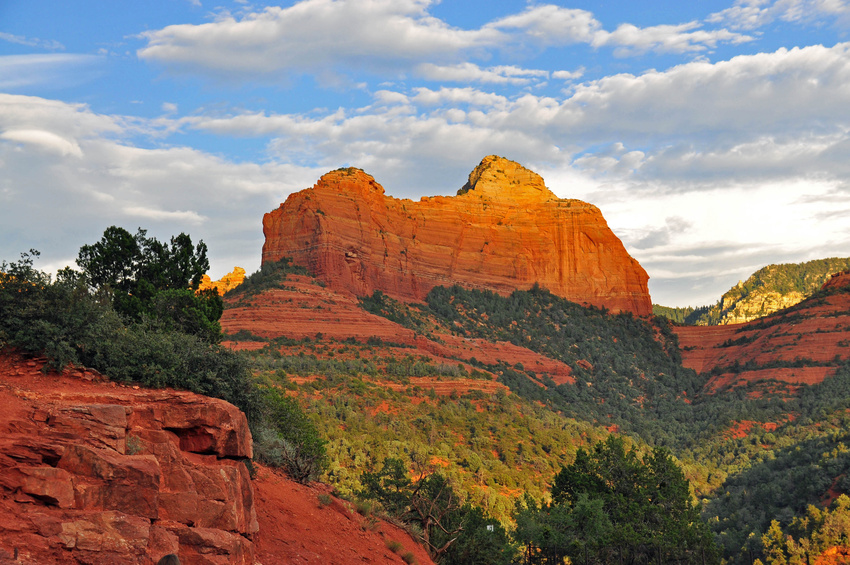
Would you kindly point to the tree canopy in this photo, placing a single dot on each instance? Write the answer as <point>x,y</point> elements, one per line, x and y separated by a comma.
<point>613,506</point>
<point>152,279</point>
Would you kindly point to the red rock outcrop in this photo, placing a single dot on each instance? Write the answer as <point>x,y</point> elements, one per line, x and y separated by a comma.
<point>106,474</point>
<point>227,282</point>
<point>503,231</point>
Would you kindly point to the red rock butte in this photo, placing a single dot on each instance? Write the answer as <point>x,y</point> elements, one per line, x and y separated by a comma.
<point>503,231</point>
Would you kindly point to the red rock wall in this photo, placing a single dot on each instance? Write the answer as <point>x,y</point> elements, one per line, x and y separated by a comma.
<point>114,475</point>
<point>504,231</point>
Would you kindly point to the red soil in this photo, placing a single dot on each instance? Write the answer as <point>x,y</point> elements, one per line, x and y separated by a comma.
<point>295,527</point>
<point>303,309</point>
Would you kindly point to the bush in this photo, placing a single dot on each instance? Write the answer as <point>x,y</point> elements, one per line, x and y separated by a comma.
<point>285,437</point>
<point>68,323</point>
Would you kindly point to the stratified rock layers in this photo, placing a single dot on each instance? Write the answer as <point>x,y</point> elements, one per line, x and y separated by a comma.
<point>503,231</point>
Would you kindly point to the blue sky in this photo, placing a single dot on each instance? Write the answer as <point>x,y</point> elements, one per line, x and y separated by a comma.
<point>714,136</point>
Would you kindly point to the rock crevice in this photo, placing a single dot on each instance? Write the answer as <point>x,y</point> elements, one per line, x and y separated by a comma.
<point>125,476</point>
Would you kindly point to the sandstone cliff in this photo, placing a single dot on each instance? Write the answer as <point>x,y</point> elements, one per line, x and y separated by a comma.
<point>227,282</point>
<point>108,474</point>
<point>503,231</point>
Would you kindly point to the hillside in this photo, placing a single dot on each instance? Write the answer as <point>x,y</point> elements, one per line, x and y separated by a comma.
<point>792,347</point>
<point>545,376</point>
<point>768,290</point>
<point>96,472</point>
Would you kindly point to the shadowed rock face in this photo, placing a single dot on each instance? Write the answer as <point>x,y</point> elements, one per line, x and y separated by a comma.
<point>503,231</point>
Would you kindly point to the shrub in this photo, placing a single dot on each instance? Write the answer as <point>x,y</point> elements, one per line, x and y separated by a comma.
<point>285,437</point>
<point>394,545</point>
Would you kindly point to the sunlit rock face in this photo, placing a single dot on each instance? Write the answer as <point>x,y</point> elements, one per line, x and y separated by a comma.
<point>94,472</point>
<point>503,231</point>
<point>228,282</point>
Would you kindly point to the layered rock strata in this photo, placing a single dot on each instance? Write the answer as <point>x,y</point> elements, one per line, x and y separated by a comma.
<point>503,231</point>
<point>111,474</point>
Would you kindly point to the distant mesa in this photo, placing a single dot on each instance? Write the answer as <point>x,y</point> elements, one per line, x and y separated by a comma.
<point>504,230</point>
<point>227,282</point>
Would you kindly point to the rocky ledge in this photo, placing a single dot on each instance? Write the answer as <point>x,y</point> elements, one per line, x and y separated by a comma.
<point>94,472</point>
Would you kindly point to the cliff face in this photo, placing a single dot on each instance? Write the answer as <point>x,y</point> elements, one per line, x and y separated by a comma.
<point>107,474</point>
<point>503,231</point>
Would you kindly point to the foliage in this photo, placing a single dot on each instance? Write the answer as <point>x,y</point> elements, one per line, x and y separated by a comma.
<point>451,531</point>
<point>628,370</point>
<point>803,278</point>
<point>612,506</point>
<point>150,279</point>
<point>287,438</point>
<point>808,536</point>
<point>688,316</point>
<point>67,322</point>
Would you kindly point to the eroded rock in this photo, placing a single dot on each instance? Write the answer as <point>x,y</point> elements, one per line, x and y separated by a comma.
<point>503,231</point>
<point>95,474</point>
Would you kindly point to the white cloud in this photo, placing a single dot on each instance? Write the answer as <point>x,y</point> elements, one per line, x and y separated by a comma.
<point>75,160</point>
<point>53,70</point>
<point>568,75</point>
<point>43,140</point>
<point>629,39</point>
<point>328,38</point>
<point>31,41</point>
<point>183,216</point>
<point>551,25</point>
<point>753,14</point>
<point>470,72</point>
<point>361,33</point>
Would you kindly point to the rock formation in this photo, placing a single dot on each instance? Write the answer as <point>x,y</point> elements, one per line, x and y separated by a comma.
<point>503,231</point>
<point>227,282</point>
<point>100,473</point>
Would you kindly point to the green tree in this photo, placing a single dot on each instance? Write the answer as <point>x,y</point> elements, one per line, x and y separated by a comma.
<point>612,506</point>
<point>156,280</point>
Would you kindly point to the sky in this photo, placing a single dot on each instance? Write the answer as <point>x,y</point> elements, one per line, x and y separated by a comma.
<point>713,135</point>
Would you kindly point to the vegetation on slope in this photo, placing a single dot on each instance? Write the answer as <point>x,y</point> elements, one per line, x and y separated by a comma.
<point>164,336</point>
<point>793,280</point>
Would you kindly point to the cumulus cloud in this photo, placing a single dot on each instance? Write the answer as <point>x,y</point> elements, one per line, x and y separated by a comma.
<point>43,140</point>
<point>322,37</point>
<point>470,72</point>
<point>315,35</point>
<point>82,163</point>
<point>551,25</point>
<point>630,40</point>
<point>753,117</point>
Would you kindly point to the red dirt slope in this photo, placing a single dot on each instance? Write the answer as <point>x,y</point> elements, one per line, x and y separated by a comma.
<point>297,528</point>
<point>303,308</point>
<point>816,330</point>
